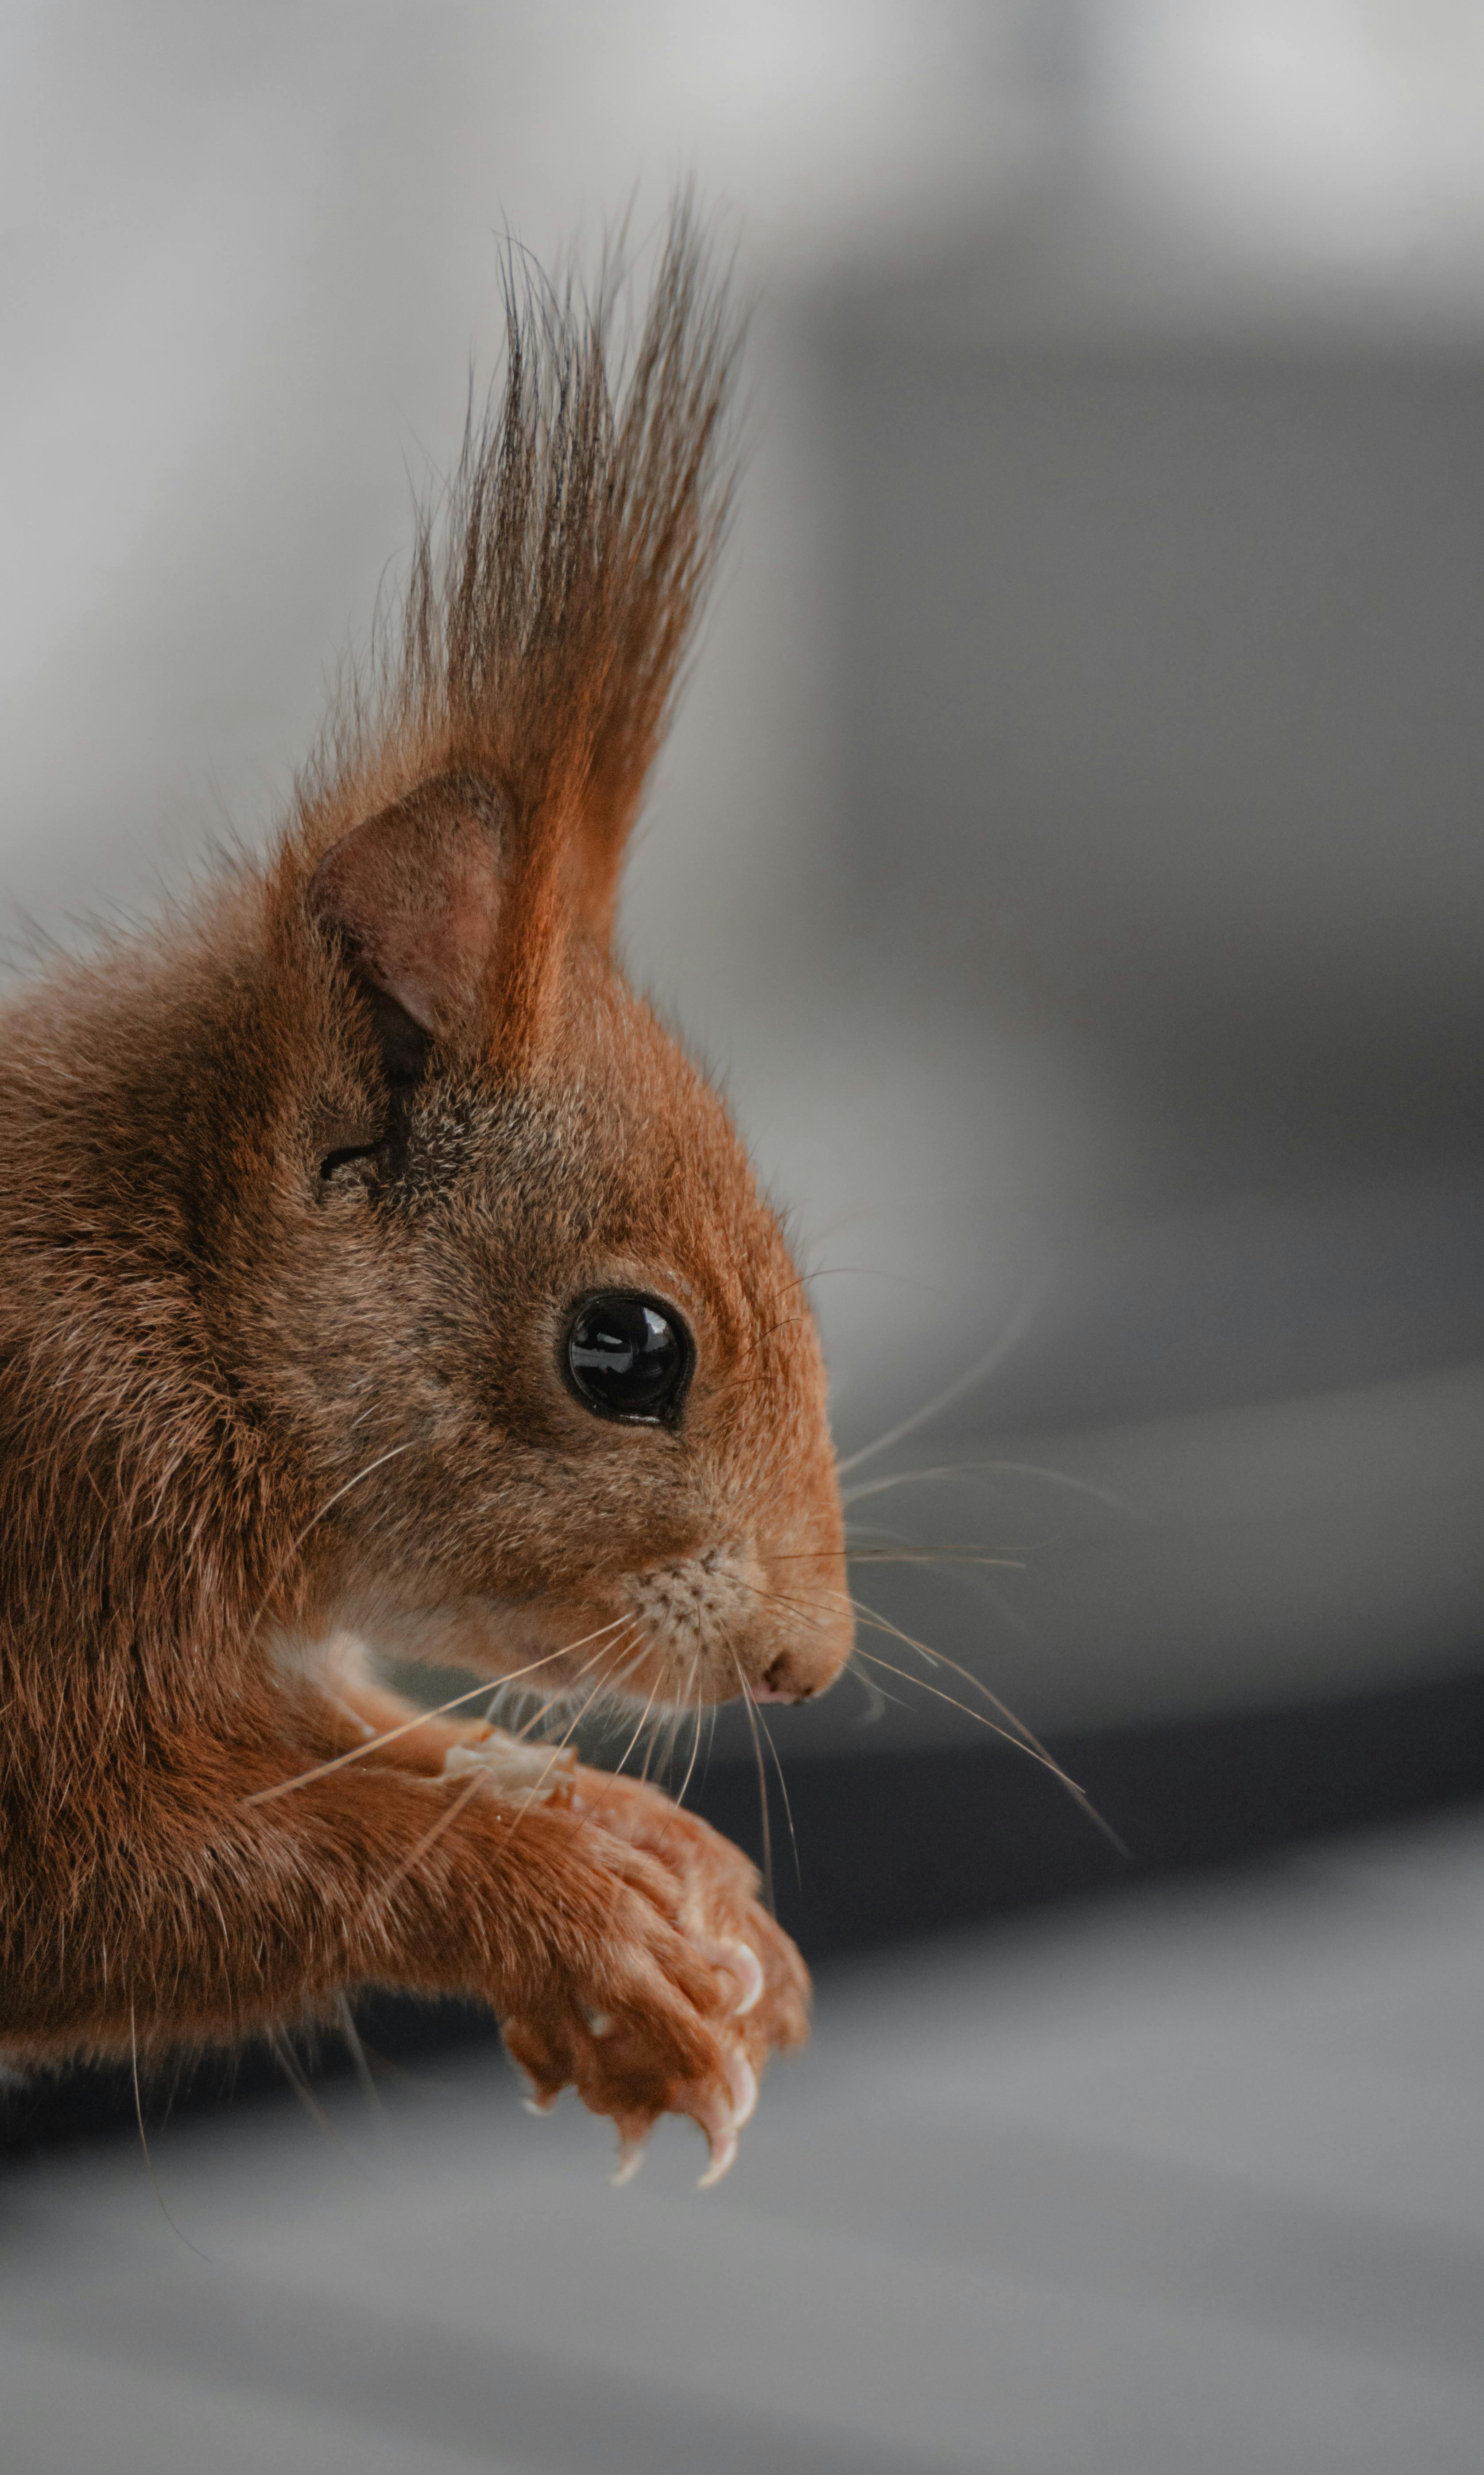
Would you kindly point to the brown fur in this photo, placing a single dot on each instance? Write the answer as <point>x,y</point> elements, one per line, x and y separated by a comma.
<point>259,1406</point>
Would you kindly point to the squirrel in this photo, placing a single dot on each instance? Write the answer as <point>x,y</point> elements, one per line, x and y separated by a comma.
<point>379,1277</point>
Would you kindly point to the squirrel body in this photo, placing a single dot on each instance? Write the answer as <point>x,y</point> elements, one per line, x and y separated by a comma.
<point>378,1275</point>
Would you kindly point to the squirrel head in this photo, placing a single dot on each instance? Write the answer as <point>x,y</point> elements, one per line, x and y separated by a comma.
<point>493,1263</point>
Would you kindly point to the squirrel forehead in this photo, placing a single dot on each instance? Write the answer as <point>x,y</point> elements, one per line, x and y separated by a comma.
<point>617,1091</point>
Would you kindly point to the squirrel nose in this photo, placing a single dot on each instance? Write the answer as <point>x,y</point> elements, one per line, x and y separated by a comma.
<point>798,1674</point>
<point>783,1683</point>
<point>815,1647</point>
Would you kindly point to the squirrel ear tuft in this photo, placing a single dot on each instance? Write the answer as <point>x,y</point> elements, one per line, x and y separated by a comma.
<point>415,892</point>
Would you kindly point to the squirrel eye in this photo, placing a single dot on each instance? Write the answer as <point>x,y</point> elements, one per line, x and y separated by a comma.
<point>629,1357</point>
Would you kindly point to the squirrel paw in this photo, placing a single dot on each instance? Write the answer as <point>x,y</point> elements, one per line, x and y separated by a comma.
<point>704,1986</point>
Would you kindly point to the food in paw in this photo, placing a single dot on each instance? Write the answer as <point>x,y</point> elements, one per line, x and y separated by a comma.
<point>517,1772</point>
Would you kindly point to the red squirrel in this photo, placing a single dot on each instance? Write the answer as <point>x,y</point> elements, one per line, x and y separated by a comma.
<point>378,1276</point>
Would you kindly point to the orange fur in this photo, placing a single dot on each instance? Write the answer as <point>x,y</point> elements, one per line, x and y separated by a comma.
<point>298,1193</point>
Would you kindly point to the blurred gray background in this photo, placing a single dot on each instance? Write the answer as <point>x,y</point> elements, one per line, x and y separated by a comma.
<point>1068,851</point>
<point>1068,854</point>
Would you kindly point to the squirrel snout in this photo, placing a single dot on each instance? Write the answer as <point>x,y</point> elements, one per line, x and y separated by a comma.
<point>712,1618</point>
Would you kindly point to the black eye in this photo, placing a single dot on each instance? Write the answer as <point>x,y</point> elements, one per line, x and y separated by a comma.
<point>629,1357</point>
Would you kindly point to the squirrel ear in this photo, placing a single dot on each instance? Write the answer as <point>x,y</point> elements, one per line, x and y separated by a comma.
<point>415,892</point>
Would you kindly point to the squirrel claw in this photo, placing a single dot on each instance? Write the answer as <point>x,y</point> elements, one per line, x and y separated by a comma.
<point>723,2153</point>
<point>631,2156</point>
<point>722,2123</point>
<point>740,1960</point>
<point>744,2092</point>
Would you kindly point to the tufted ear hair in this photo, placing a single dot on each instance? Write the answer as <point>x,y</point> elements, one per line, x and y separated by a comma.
<point>414,892</point>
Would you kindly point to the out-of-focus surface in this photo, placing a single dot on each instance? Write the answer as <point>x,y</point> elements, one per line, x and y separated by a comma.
<point>1193,2182</point>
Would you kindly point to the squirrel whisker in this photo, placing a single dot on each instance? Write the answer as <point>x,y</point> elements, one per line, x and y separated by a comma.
<point>981,1367</point>
<point>391,1455</point>
<point>1002,1469</point>
<point>419,1718</point>
<point>1014,1730</point>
